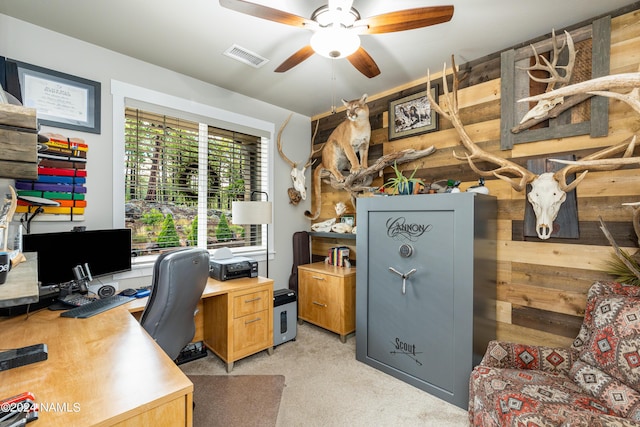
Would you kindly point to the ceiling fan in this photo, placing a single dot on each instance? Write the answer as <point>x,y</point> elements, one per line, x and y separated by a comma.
<point>337,27</point>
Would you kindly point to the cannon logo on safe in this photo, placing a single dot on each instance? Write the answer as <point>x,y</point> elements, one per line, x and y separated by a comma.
<point>399,229</point>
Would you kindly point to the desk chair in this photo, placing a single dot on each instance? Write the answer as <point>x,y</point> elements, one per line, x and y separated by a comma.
<point>179,278</point>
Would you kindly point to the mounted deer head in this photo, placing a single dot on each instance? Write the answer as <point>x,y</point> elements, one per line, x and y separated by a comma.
<point>557,74</point>
<point>548,190</point>
<point>297,175</point>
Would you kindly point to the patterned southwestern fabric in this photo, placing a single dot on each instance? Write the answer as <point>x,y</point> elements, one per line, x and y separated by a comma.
<point>595,382</point>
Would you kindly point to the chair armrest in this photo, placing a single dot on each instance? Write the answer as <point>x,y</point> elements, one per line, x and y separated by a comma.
<point>502,354</point>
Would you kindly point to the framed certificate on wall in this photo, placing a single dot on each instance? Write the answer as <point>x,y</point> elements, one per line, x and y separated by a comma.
<point>61,100</point>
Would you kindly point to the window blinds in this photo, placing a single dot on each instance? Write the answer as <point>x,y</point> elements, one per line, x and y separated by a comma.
<point>164,167</point>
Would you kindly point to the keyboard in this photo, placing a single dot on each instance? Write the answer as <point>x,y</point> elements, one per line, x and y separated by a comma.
<point>96,307</point>
<point>76,300</point>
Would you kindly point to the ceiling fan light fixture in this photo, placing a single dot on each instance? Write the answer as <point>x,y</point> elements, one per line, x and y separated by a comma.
<point>335,43</point>
<point>337,27</point>
<point>326,16</point>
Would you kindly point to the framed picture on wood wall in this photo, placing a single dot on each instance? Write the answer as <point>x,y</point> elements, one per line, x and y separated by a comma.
<point>348,219</point>
<point>61,100</point>
<point>412,115</point>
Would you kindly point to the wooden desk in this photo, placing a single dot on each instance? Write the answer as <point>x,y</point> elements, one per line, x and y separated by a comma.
<point>101,371</point>
<point>234,319</point>
<point>107,371</point>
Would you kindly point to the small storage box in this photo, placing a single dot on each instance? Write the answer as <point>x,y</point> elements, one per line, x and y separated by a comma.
<point>285,315</point>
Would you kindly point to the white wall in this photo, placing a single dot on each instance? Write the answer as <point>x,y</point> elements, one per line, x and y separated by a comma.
<point>35,45</point>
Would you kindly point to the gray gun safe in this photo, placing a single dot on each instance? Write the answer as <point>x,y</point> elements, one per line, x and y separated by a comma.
<point>426,288</point>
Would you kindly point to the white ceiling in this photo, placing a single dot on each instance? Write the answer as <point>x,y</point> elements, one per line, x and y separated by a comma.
<point>190,37</point>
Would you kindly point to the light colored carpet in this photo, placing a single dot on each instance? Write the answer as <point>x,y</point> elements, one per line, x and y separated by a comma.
<point>326,386</point>
<point>236,400</point>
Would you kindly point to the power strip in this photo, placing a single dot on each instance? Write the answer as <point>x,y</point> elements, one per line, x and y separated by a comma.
<point>23,356</point>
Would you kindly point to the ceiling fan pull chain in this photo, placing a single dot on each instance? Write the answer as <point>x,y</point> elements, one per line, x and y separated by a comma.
<point>333,87</point>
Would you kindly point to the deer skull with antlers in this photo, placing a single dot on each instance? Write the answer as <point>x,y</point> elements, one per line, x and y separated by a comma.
<point>548,190</point>
<point>554,78</point>
<point>299,190</point>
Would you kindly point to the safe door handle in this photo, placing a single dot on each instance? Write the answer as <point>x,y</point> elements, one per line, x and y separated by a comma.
<point>404,277</point>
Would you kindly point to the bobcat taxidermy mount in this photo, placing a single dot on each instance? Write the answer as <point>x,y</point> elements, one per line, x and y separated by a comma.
<point>339,152</point>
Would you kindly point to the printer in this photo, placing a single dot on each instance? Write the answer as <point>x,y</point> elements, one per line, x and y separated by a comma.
<point>224,266</point>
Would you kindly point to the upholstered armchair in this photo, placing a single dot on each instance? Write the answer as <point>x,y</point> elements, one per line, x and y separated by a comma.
<point>595,382</point>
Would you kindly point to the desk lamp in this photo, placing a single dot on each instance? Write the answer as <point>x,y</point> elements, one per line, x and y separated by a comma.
<point>253,213</point>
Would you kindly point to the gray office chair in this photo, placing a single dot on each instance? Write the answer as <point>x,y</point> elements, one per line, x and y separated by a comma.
<point>179,278</point>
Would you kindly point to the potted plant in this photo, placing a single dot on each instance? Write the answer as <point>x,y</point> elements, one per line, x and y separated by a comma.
<point>400,184</point>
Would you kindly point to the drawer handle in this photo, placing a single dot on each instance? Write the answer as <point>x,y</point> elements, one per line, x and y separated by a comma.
<point>319,303</point>
<point>318,277</point>
<point>253,321</point>
<point>253,300</point>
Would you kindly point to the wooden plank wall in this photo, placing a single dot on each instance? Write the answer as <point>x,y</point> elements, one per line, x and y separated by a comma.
<point>541,285</point>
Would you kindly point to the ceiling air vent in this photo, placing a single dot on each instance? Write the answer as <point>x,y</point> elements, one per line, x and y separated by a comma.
<point>243,55</point>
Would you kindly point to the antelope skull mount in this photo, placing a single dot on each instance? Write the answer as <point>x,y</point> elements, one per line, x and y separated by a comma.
<point>548,190</point>
<point>297,175</point>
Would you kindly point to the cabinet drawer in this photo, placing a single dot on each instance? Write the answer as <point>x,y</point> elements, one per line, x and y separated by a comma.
<point>320,299</point>
<point>251,333</point>
<point>314,278</point>
<point>250,303</point>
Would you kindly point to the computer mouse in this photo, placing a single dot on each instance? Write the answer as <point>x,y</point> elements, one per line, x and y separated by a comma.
<point>128,292</point>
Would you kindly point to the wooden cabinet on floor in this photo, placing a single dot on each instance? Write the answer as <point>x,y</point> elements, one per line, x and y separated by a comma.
<point>239,323</point>
<point>326,297</point>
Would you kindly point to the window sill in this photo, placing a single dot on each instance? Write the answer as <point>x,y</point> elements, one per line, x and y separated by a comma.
<point>142,266</point>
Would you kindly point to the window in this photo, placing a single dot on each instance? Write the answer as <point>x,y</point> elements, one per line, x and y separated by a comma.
<point>183,164</point>
<point>180,179</point>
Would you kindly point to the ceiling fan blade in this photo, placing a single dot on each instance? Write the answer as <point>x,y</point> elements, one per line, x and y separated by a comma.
<point>403,20</point>
<point>295,59</point>
<point>268,13</point>
<point>364,63</point>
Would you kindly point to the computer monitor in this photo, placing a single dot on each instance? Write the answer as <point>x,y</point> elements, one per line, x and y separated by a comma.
<point>105,251</point>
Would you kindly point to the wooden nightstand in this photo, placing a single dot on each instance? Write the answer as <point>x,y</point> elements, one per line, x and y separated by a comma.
<point>326,297</point>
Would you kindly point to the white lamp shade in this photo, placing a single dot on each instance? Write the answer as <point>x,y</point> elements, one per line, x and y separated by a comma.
<point>257,212</point>
<point>334,42</point>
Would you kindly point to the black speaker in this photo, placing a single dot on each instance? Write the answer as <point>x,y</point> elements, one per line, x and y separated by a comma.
<point>104,290</point>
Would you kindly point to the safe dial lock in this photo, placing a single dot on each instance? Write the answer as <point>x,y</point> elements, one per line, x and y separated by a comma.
<point>406,250</point>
